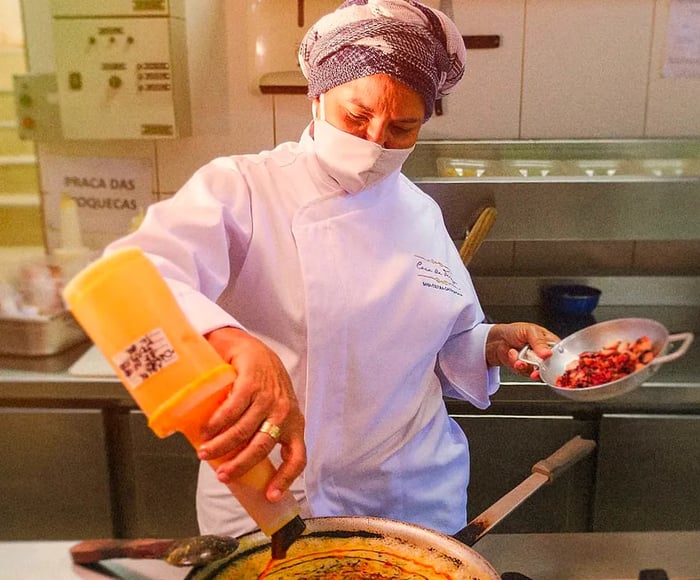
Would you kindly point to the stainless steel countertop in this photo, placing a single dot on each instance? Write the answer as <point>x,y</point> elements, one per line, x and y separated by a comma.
<point>674,388</point>
<point>599,556</point>
<point>618,556</point>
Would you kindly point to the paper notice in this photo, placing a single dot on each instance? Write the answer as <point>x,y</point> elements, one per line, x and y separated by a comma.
<point>108,194</point>
<point>683,39</point>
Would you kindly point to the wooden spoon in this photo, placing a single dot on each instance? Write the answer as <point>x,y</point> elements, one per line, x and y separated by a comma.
<point>477,234</point>
<point>194,551</point>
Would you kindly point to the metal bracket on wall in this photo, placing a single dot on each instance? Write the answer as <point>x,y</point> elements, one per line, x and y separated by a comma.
<point>480,41</point>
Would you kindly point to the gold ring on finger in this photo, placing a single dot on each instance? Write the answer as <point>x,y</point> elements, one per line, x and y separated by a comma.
<point>272,430</point>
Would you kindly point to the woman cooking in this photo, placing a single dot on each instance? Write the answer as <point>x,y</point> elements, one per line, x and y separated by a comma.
<point>328,280</point>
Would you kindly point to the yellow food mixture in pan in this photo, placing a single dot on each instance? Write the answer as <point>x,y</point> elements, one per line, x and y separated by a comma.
<point>353,558</point>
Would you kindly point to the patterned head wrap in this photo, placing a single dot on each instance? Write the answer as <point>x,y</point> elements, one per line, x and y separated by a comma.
<point>417,45</point>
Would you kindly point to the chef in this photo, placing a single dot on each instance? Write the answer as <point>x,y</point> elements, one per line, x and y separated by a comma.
<point>328,280</point>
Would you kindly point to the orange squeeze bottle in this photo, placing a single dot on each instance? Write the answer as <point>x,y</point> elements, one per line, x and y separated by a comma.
<point>175,376</point>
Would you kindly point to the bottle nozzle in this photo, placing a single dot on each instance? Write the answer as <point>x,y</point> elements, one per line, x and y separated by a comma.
<point>283,538</point>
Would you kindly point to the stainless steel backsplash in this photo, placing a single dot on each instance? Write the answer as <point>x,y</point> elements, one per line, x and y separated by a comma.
<point>632,224</point>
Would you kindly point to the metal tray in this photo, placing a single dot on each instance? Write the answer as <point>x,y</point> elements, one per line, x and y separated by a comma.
<point>31,337</point>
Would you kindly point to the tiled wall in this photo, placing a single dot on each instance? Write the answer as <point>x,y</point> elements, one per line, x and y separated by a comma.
<point>588,258</point>
<point>630,229</point>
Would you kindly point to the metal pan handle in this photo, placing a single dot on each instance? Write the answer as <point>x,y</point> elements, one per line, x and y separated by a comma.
<point>686,337</point>
<point>527,355</point>
<point>544,471</point>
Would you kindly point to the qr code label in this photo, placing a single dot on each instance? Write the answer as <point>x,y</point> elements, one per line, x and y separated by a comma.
<point>144,358</point>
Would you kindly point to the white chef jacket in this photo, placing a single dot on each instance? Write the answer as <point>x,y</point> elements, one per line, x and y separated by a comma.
<point>365,299</point>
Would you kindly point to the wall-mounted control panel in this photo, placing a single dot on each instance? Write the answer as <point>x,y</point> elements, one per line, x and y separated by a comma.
<point>121,68</point>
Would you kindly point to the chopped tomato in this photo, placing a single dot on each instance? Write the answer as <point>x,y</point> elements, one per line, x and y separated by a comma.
<point>612,362</point>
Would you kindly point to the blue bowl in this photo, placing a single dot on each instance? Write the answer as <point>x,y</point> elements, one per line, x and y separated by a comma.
<point>570,299</point>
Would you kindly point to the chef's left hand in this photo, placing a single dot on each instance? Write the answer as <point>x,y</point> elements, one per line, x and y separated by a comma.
<point>505,341</point>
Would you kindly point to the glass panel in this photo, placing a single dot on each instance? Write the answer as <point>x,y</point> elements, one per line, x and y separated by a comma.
<point>579,159</point>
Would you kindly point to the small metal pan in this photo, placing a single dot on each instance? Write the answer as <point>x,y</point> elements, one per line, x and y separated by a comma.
<point>597,337</point>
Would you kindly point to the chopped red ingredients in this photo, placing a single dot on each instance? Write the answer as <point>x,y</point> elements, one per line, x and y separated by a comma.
<point>613,362</point>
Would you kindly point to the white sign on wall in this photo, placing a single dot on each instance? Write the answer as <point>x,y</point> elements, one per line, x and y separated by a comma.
<point>683,39</point>
<point>109,193</point>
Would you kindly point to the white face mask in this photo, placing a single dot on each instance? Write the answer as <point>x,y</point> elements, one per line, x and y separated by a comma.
<point>353,162</point>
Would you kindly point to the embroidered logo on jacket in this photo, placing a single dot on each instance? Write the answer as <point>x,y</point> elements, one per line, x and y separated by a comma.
<point>435,274</point>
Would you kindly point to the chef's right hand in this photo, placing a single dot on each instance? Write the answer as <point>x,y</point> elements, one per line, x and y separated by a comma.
<point>261,392</point>
<point>504,342</point>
